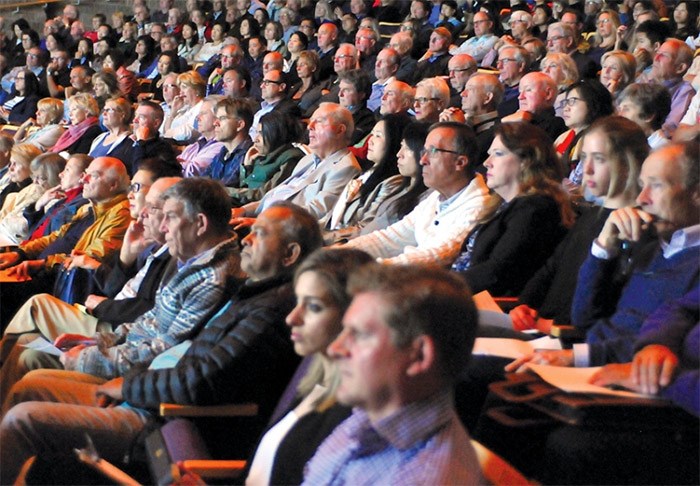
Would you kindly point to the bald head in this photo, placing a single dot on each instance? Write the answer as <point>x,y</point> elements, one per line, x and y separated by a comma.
<point>537,92</point>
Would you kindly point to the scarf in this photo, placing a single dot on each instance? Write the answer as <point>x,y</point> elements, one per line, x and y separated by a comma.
<point>73,134</point>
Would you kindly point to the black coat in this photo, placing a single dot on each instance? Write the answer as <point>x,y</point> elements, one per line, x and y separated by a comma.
<point>513,245</point>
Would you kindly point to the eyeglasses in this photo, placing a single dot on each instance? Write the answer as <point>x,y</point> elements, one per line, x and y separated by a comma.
<point>603,22</point>
<point>555,38</point>
<point>33,56</point>
<point>506,59</point>
<point>270,81</point>
<point>431,152</point>
<point>343,56</point>
<point>136,186</point>
<point>223,118</point>
<point>422,101</point>
<point>570,101</point>
<point>110,110</point>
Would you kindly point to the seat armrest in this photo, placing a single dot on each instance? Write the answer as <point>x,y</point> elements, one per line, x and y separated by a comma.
<point>228,410</point>
<point>214,469</point>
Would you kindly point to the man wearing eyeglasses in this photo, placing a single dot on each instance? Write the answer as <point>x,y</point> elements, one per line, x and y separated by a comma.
<point>432,96</point>
<point>433,232</point>
<point>512,64</point>
<point>460,68</point>
<point>483,41</point>
<point>561,37</point>
<point>130,281</point>
<point>274,88</point>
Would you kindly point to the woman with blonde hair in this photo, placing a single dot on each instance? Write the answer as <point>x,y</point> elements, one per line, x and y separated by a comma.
<point>49,113</point>
<point>83,111</point>
<point>319,284</point>
<point>180,122</point>
<point>562,69</point>
<point>44,169</point>
<point>607,23</point>
<point>116,141</point>
<point>612,155</point>
<point>307,91</point>
<point>619,69</point>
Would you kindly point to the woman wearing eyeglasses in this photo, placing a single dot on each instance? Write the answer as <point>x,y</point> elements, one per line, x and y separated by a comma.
<point>22,106</point>
<point>605,37</point>
<point>531,216</point>
<point>116,141</point>
<point>584,103</point>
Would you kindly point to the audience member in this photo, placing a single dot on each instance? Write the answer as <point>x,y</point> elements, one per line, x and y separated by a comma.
<point>401,379</point>
<point>433,232</point>
<point>246,334</point>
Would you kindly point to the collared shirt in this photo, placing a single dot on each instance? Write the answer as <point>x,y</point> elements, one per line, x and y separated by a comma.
<point>681,239</point>
<point>477,47</point>
<point>265,108</point>
<point>422,443</point>
<point>681,95</point>
<point>198,156</point>
<point>375,98</point>
<point>315,183</point>
<point>226,167</point>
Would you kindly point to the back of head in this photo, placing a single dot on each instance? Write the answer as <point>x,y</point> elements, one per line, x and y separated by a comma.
<point>161,167</point>
<point>115,170</point>
<point>424,301</point>
<point>205,196</point>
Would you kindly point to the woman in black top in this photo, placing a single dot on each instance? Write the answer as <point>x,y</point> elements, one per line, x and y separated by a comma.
<point>528,219</point>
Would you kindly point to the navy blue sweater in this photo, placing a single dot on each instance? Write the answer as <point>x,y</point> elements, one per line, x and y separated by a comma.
<point>610,334</point>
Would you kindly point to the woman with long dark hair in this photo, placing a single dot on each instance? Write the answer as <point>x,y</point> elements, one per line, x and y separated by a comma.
<point>271,159</point>
<point>22,106</point>
<point>359,202</point>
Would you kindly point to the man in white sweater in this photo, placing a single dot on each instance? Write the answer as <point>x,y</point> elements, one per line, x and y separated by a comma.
<point>433,232</point>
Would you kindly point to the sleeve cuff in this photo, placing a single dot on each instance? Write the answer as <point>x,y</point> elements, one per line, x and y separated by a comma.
<point>601,253</point>
<point>582,357</point>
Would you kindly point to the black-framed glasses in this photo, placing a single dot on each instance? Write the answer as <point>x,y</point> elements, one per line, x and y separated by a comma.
<point>433,151</point>
<point>135,186</point>
<point>570,101</point>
